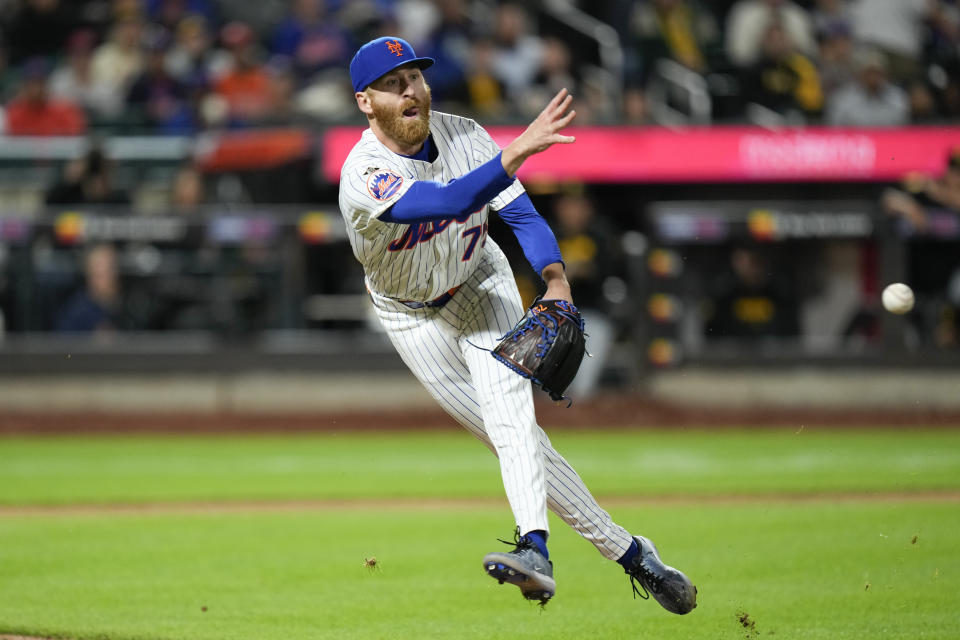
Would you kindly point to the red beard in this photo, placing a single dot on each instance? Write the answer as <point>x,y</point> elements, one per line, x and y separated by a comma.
<point>408,131</point>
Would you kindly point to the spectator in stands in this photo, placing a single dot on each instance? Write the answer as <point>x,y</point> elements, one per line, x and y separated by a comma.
<point>920,194</point>
<point>119,60</point>
<point>554,73</point>
<point>39,28</point>
<point>751,300</point>
<point>678,30</point>
<point>930,210</point>
<point>589,253</point>
<point>636,111</point>
<point>485,91</point>
<point>246,87</point>
<point>518,50</point>
<point>33,112</point>
<point>260,15</point>
<point>923,105</point>
<point>170,13</point>
<point>155,95</point>
<point>942,56</point>
<point>98,307</point>
<point>836,63</point>
<point>73,79</point>
<point>783,79</point>
<point>895,27</point>
<point>449,43</point>
<point>188,192</point>
<point>871,100</point>
<point>312,39</point>
<point>749,21</point>
<point>191,55</point>
<point>88,179</point>
<point>831,16</point>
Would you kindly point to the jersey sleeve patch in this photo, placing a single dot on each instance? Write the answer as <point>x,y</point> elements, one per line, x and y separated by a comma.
<point>383,185</point>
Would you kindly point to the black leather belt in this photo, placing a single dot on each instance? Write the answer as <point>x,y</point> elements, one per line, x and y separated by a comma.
<point>439,301</point>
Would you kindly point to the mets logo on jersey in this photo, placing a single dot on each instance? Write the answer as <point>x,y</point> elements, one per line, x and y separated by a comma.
<point>383,185</point>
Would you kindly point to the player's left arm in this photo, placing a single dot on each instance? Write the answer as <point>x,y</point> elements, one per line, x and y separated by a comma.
<point>539,245</point>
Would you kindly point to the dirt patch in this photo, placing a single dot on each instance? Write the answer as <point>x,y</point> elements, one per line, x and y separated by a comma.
<point>444,504</point>
<point>749,624</point>
<point>610,411</point>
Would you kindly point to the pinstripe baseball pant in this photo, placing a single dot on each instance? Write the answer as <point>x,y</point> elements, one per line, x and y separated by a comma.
<point>492,402</point>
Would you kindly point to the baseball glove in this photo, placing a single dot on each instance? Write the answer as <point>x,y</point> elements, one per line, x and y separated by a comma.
<point>546,346</point>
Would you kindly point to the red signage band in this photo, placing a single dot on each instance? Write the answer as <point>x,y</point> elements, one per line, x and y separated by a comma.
<point>718,154</point>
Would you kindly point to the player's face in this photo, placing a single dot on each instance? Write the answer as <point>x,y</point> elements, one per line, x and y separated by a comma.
<point>400,105</point>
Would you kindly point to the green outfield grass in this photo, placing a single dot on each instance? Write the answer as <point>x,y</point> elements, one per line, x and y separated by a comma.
<point>453,464</point>
<point>838,566</point>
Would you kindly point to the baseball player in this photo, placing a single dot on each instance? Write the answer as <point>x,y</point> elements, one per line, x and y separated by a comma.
<point>416,192</point>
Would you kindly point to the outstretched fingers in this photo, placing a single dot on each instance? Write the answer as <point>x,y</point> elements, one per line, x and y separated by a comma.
<point>562,95</point>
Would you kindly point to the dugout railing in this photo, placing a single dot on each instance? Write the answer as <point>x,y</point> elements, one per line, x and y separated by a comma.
<point>276,286</point>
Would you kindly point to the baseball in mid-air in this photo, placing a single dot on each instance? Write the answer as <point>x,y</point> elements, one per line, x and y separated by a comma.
<point>897,298</point>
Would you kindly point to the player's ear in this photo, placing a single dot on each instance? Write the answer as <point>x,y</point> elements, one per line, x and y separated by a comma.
<point>363,102</point>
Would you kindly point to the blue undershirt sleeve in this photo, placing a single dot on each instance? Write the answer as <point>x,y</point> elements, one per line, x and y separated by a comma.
<point>533,233</point>
<point>428,200</point>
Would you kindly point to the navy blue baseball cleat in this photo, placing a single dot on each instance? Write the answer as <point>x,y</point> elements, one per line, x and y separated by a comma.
<point>669,587</point>
<point>525,567</point>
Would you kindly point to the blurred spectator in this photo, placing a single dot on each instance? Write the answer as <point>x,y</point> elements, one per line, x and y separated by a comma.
<point>157,96</point>
<point>870,101</point>
<point>312,39</point>
<point>750,20</point>
<point>920,193</point>
<point>188,192</point>
<point>923,106</point>
<point>98,307</point>
<point>836,64</point>
<point>942,56</point>
<point>39,28</point>
<point>588,247</point>
<point>554,73</point>
<point>261,15</point>
<point>485,91</point>
<point>930,210</point>
<point>88,180</point>
<point>450,44</point>
<point>751,300</point>
<point>73,79</point>
<point>119,60</point>
<point>246,87</point>
<point>33,112</point>
<point>831,16</point>
<point>518,50</point>
<point>783,79</point>
<point>680,30</point>
<point>191,55</point>
<point>283,91</point>
<point>170,13</point>
<point>893,26</point>
<point>635,108</point>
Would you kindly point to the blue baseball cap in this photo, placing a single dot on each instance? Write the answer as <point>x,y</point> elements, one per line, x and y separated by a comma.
<point>381,56</point>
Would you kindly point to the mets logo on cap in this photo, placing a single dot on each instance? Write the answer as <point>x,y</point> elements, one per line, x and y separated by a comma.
<point>381,56</point>
<point>383,185</point>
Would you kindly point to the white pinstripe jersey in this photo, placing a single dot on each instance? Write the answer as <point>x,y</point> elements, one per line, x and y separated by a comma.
<point>419,261</point>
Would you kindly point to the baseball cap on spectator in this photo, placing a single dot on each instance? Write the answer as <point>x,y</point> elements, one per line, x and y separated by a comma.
<point>382,56</point>
<point>35,69</point>
<point>236,34</point>
<point>81,41</point>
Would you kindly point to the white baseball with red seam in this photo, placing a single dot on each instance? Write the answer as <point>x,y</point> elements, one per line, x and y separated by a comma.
<point>898,298</point>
